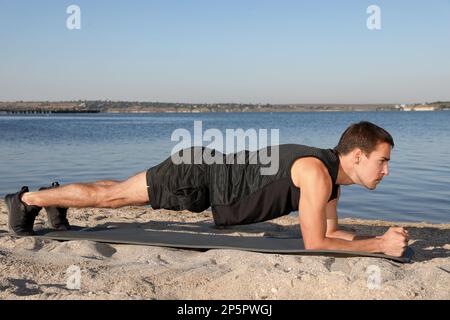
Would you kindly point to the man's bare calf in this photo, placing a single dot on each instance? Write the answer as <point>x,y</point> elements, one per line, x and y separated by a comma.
<point>100,194</point>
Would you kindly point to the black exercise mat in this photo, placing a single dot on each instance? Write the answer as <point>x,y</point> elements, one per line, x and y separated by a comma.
<point>149,237</point>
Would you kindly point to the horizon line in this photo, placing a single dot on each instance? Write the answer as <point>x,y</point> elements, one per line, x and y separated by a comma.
<point>248,103</point>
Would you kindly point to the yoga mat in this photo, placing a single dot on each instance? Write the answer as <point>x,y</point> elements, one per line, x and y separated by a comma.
<point>149,237</point>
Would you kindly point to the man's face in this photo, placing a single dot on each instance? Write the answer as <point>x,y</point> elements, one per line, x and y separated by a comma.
<point>371,169</point>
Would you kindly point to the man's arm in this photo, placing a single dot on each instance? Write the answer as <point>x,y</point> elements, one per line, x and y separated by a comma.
<point>333,230</point>
<point>316,185</point>
<point>333,223</point>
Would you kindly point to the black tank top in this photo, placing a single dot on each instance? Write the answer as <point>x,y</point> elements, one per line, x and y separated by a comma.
<point>240,194</point>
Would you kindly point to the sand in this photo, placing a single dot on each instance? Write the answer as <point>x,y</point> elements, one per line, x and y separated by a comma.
<point>46,269</point>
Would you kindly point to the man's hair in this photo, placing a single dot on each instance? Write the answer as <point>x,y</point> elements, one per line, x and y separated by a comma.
<point>364,135</point>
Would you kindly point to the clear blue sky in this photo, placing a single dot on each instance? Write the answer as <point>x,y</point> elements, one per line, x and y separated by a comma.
<point>226,51</point>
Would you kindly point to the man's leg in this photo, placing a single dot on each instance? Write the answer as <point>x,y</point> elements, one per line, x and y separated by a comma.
<point>107,182</point>
<point>100,194</point>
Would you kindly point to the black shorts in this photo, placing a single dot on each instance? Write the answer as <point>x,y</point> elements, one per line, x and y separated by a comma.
<point>182,186</point>
<point>236,193</point>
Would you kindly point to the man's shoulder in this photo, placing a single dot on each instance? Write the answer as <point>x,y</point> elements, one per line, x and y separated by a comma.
<point>309,169</point>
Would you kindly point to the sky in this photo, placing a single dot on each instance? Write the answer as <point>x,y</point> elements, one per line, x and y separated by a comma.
<point>211,51</point>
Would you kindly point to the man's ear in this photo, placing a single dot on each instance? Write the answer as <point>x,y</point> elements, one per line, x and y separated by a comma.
<point>357,153</point>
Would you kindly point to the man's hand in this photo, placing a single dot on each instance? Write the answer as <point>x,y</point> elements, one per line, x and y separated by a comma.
<point>394,241</point>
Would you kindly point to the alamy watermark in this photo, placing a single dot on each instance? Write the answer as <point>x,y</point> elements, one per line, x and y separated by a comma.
<point>373,277</point>
<point>374,20</point>
<point>73,274</point>
<point>234,141</point>
<point>73,22</point>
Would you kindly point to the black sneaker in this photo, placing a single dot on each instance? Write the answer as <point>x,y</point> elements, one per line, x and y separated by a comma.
<point>57,216</point>
<point>20,215</point>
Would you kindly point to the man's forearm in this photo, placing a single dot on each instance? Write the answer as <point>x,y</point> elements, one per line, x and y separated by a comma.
<point>371,245</point>
<point>345,235</point>
<point>340,234</point>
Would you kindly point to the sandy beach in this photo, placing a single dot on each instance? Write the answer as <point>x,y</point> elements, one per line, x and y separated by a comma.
<point>33,268</point>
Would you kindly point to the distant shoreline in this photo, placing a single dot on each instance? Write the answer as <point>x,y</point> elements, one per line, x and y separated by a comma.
<point>37,107</point>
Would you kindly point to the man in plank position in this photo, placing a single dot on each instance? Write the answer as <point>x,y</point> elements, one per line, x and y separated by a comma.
<point>239,193</point>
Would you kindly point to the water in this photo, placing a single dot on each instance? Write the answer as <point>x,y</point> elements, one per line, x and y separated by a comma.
<point>36,150</point>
